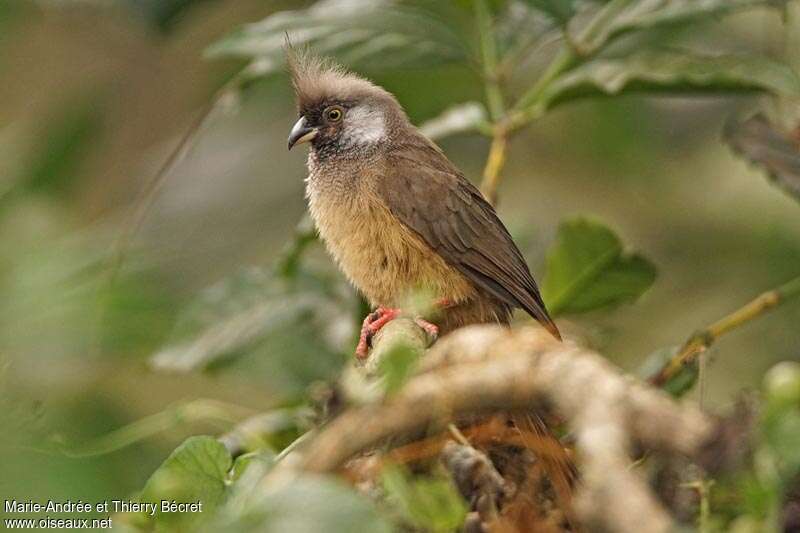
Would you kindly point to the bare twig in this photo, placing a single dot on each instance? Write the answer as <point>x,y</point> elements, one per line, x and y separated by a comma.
<point>705,338</point>
<point>476,478</point>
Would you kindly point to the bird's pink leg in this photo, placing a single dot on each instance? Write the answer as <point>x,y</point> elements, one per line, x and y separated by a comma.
<point>383,315</point>
<point>430,328</point>
<point>371,325</point>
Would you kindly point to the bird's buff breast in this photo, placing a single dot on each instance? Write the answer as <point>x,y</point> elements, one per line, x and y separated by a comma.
<point>380,256</point>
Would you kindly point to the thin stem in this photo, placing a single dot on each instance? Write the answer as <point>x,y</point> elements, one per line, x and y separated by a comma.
<point>148,194</point>
<point>170,418</point>
<point>456,433</point>
<point>533,102</point>
<point>494,94</point>
<point>705,338</point>
<point>494,164</point>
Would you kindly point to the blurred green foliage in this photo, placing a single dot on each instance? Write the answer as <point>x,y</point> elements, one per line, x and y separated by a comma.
<point>431,504</point>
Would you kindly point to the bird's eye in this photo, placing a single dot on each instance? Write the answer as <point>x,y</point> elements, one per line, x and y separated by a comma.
<point>333,114</point>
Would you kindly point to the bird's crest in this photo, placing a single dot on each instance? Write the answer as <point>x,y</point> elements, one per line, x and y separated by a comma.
<point>317,79</point>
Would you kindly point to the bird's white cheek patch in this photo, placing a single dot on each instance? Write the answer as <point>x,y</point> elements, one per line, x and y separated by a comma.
<point>364,125</point>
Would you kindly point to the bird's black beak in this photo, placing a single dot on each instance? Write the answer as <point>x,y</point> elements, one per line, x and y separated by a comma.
<point>301,133</point>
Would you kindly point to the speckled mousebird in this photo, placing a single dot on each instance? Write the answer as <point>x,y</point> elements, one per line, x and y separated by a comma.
<point>395,213</point>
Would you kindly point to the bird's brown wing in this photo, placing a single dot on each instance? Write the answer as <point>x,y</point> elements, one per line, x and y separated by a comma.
<point>430,196</point>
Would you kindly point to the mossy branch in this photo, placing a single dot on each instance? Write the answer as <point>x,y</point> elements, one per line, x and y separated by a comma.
<point>489,368</point>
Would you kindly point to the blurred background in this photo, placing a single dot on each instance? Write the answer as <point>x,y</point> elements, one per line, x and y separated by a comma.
<point>95,95</point>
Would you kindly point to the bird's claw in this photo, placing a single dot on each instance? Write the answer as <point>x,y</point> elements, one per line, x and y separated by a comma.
<point>374,321</point>
<point>431,329</point>
<point>371,325</point>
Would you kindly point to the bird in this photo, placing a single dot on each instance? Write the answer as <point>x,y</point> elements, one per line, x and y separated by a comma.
<point>396,215</point>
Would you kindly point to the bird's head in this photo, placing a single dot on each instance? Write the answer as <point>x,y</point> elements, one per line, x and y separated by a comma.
<point>340,113</point>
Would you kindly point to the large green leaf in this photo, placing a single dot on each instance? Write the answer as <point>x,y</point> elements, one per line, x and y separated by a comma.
<point>619,17</point>
<point>587,269</point>
<point>670,71</point>
<point>355,31</point>
<point>196,471</point>
<point>303,504</point>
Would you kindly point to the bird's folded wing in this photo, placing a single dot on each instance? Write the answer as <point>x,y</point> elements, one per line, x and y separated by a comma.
<point>431,197</point>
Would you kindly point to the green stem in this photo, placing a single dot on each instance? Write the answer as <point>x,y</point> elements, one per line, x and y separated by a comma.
<point>494,94</point>
<point>170,418</point>
<point>705,338</point>
<point>533,103</point>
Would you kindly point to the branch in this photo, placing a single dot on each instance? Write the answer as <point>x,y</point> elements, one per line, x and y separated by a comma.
<point>477,480</point>
<point>494,95</point>
<point>528,108</point>
<point>702,340</point>
<point>490,368</point>
<point>494,164</point>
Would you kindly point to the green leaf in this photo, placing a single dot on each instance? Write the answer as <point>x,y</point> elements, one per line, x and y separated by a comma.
<point>619,17</point>
<point>377,31</point>
<point>561,11</point>
<point>428,503</point>
<point>196,471</point>
<point>248,462</point>
<point>587,269</point>
<point>305,503</point>
<point>469,116</point>
<point>670,71</point>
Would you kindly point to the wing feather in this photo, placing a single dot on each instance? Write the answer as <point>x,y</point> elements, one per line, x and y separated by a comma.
<point>457,222</point>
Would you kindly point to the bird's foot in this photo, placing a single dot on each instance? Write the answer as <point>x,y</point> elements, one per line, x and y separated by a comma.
<point>430,328</point>
<point>444,303</point>
<point>372,324</point>
<point>380,317</point>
